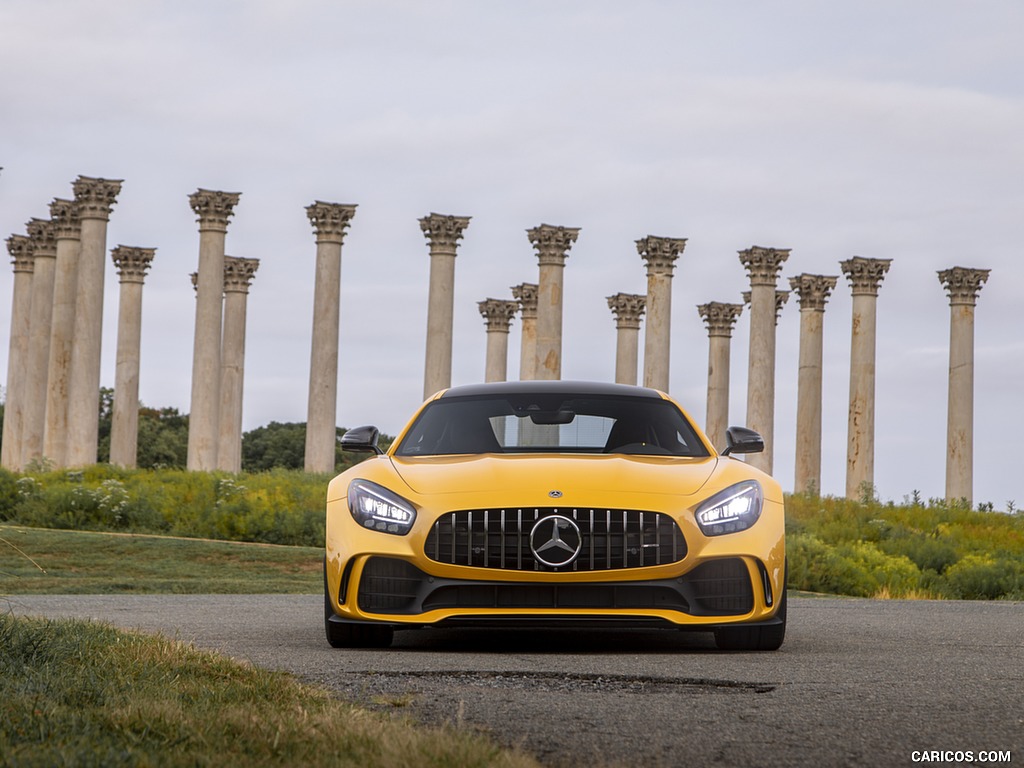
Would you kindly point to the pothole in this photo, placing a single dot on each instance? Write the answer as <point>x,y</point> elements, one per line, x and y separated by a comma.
<point>569,682</point>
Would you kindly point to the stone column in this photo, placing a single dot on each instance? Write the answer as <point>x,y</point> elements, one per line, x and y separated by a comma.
<point>865,275</point>
<point>552,245</point>
<point>962,284</point>
<point>22,257</point>
<point>44,250</point>
<point>526,295</point>
<point>720,319</point>
<point>443,234</point>
<point>329,220</point>
<point>131,265</point>
<point>763,266</point>
<point>497,316</point>
<point>627,308</point>
<point>67,230</point>
<point>94,199</point>
<point>238,274</point>
<point>659,254</point>
<point>213,209</point>
<point>813,292</point>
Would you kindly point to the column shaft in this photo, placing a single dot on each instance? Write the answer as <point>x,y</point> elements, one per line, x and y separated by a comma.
<point>213,209</point>
<point>443,233</point>
<point>329,220</point>
<point>497,314</point>
<point>62,330</point>
<point>526,295</point>
<point>865,275</point>
<point>20,248</point>
<point>34,419</point>
<point>762,265</point>
<point>93,198</point>
<point>963,285</point>
<point>720,319</point>
<point>628,308</point>
<point>659,254</point>
<point>552,244</point>
<point>237,275</point>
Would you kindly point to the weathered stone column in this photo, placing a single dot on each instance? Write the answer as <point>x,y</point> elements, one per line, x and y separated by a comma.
<point>497,315</point>
<point>659,254</point>
<point>813,292</point>
<point>720,319</point>
<point>213,209</point>
<point>238,274</point>
<point>44,249</point>
<point>763,266</point>
<point>962,284</point>
<point>94,199</point>
<point>67,231</point>
<point>627,308</point>
<point>329,220</point>
<point>526,295</point>
<point>22,257</point>
<point>552,244</point>
<point>443,234</point>
<point>131,265</point>
<point>865,275</point>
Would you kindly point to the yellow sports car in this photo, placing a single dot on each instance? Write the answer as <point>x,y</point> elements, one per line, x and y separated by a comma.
<point>554,503</point>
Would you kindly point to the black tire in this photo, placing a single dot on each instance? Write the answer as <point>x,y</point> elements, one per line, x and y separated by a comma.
<point>767,638</point>
<point>343,635</point>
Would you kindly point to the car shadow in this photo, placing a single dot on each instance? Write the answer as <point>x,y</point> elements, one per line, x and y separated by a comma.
<point>553,641</point>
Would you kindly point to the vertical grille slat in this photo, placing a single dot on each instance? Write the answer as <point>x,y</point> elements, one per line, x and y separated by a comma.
<point>500,539</point>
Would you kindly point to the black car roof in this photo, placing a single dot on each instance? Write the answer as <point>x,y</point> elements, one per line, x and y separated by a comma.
<point>585,388</point>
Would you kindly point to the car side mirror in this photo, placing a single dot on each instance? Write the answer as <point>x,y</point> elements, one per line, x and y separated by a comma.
<point>361,439</point>
<point>742,440</point>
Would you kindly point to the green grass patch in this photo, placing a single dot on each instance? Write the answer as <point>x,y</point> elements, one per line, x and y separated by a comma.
<point>85,694</point>
<point>46,561</point>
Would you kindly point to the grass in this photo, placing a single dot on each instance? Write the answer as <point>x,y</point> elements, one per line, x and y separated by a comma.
<point>85,694</point>
<point>48,561</point>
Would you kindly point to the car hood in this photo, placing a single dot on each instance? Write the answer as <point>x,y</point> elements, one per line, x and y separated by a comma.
<point>530,479</point>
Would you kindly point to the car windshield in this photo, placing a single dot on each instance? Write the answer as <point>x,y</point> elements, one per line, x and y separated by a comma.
<point>551,423</point>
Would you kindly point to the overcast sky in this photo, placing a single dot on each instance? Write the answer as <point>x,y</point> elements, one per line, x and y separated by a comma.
<point>881,129</point>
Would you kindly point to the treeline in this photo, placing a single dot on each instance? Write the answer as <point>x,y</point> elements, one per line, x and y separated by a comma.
<point>163,441</point>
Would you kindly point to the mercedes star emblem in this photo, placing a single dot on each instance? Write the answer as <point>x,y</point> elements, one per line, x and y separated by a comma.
<point>555,494</point>
<point>556,540</point>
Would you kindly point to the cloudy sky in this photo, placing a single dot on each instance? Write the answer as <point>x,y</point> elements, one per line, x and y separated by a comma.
<point>878,128</point>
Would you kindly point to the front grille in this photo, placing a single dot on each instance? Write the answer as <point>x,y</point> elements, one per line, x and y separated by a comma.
<point>612,539</point>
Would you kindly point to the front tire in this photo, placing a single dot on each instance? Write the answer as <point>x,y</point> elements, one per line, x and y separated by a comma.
<point>345,635</point>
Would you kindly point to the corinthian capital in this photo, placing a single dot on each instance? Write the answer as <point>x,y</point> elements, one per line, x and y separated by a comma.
<point>660,253</point>
<point>66,223</point>
<point>764,264</point>
<point>526,295</point>
<point>330,220</point>
<point>962,284</point>
<point>865,275</point>
<point>132,262</point>
<point>96,197</point>
<point>720,317</point>
<point>238,274</point>
<point>22,253</point>
<point>213,208</point>
<point>443,232</point>
<point>813,290</point>
<point>552,243</point>
<point>627,308</point>
<point>498,313</point>
<point>44,240</point>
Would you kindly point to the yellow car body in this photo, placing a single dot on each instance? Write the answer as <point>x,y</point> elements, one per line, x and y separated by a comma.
<point>553,536</point>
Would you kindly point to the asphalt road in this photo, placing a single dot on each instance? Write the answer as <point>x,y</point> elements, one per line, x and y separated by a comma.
<point>858,682</point>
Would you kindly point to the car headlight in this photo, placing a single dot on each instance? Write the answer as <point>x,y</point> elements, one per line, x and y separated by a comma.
<point>734,509</point>
<point>378,509</point>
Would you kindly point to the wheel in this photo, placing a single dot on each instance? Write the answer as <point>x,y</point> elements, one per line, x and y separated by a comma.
<point>767,638</point>
<point>343,635</point>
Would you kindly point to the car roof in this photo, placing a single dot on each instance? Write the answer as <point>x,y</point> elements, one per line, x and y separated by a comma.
<point>584,388</point>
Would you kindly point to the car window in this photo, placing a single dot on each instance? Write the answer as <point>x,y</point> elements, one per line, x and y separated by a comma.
<point>551,423</point>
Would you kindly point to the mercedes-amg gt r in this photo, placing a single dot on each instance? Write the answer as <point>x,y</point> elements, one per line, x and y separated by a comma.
<point>554,503</point>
